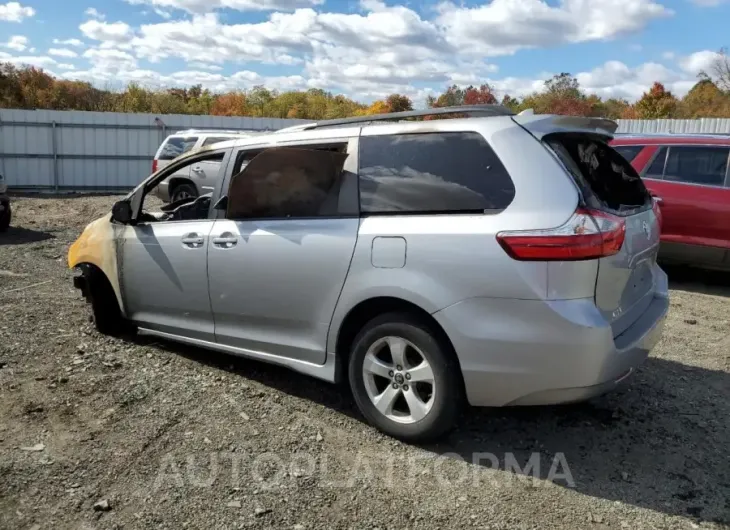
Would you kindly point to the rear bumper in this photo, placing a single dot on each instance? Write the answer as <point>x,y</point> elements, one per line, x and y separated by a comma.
<point>530,352</point>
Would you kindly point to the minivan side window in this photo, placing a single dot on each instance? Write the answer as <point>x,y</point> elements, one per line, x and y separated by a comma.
<point>287,182</point>
<point>448,172</point>
<point>656,169</point>
<point>697,165</point>
<point>176,146</point>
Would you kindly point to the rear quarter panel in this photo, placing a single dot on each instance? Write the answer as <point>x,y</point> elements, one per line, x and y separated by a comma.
<point>450,258</point>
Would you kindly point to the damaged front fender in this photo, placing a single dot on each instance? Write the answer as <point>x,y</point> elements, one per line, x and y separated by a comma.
<point>97,246</point>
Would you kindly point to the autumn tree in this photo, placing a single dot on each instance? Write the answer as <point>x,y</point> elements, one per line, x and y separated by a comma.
<point>704,100</point>
<point>511,103</point>
<point>231,104</point>
<point>398,103</point>
<point>482,95</point>
<point>658,102</point>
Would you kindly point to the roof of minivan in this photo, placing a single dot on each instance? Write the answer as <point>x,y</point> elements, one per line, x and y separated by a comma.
<point>664,139</point>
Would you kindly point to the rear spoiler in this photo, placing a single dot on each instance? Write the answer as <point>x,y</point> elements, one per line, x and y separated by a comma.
<point>540,125</point>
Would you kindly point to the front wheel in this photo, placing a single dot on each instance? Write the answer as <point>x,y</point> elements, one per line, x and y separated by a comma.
<point>404,380</point>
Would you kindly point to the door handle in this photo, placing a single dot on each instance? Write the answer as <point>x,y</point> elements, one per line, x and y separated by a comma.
<point>225,240</point>
<point>657,200</point>
<point>193,240</point>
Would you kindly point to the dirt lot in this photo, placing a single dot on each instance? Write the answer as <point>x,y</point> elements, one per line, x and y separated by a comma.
<point>162,436</point>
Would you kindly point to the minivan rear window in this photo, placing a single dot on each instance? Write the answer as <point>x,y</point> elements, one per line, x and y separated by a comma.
<point>449,172</point>
<point>176,146</point>
<point>605,178</point>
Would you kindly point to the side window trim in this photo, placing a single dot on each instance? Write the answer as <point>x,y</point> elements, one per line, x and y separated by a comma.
<point>351,148</point>
<point>724,184</point>
<point>650,163</point>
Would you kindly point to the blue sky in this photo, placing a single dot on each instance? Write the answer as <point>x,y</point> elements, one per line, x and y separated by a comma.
<point>369,48</point>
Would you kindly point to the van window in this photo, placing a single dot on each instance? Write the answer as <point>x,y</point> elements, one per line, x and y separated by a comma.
<point>449,172</point>
<point>287,182</point>
<point>176,146</point>
<point>697,165</point>
<point>606,179</point>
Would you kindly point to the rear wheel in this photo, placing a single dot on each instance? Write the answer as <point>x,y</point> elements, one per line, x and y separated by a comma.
<point>404,380</point>
<point>183,191</point>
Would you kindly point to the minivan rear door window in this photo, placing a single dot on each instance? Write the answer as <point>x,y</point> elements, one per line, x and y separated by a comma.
<point>449,172</point>
<point>606,179</point>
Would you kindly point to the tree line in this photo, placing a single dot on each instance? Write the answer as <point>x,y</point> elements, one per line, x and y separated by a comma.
<point>28,87</point>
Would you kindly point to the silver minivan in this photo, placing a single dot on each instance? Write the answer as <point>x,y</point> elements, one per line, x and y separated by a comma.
<point>495,258</point>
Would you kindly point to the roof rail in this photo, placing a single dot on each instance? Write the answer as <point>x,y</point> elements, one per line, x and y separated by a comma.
<point>471,110</point>
<point>218,131</point>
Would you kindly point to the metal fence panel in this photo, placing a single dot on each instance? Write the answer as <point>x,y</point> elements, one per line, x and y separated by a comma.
<point>702,125</point>
<point>74,150</point>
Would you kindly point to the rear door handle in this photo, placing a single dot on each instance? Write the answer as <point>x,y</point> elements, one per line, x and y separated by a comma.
<point>657,200</point>
<point>225,240</point>
<point>193,240</point>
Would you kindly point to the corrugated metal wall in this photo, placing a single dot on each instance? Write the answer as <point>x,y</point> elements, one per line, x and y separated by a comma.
<point>68,150</point>
<point>703,125</point>
<point>71,150</point>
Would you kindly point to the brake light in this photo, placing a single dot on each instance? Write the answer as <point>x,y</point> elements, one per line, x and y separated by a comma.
<point>154,165</point>
<point>588,234</point>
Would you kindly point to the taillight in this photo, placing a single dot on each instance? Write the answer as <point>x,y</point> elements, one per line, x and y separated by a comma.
<point>154,165</point>
<point>588,234</point>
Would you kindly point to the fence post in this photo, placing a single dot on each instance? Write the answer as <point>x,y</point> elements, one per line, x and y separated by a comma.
<point>54,144</point>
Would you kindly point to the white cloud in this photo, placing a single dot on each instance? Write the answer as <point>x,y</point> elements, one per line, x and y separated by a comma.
<point>113,33</point>
<point>15,12</point>
<point>29,60</point>
<point>93,13</point>
<point>62,52</point>
<point>503,27</point>
<point>66,66</point>
<point>110,60</point>
<point>203,66</point>
<point>698,62</point>
<point>669,56</point>
<point>17,42</point>
<point>162,13</point>
<point>69,42</point>
<point>206,6</point>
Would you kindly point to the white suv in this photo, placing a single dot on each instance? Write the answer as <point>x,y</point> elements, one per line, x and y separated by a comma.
<point>196,181</point>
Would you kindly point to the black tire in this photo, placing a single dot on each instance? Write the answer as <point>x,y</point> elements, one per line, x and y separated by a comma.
<point>447,394</point>
<point>182,191</point>
<point>106,314</point>
<point>5,219</point>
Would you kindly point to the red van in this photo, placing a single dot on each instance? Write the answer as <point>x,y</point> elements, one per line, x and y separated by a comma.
<point>689,177</point>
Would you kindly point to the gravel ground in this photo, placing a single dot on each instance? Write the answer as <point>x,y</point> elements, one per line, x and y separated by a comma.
<point>105,433</point>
